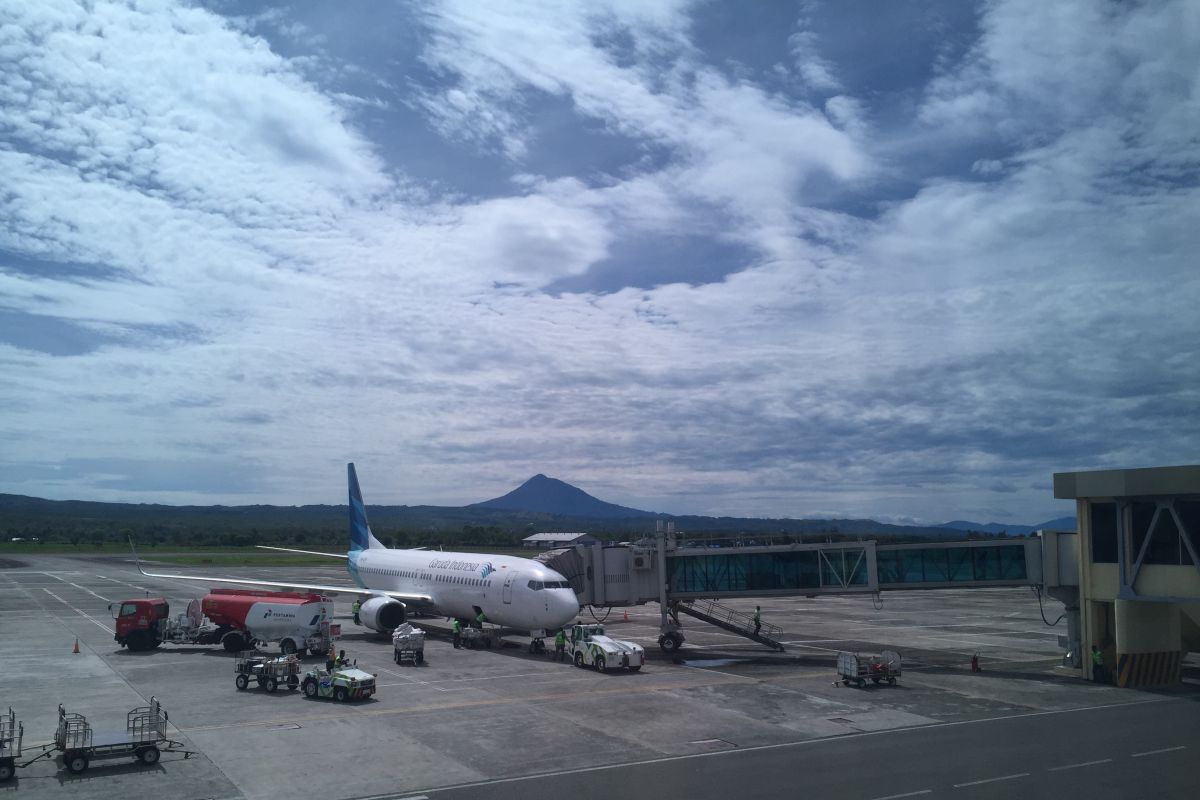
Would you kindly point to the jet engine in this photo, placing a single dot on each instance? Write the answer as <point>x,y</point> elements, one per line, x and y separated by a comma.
<point>382,614</point>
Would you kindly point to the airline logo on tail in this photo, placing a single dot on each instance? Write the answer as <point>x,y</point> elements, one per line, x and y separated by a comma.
<point>360,529</point>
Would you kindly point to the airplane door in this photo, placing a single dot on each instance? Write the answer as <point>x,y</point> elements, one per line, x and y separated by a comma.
<point>508,584</point>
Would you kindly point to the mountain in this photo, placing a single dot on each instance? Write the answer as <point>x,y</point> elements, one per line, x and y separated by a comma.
<point>1058,524</point>
<point>545,495</point>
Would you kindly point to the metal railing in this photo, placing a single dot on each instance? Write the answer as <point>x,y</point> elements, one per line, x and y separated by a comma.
<point>731,617</point>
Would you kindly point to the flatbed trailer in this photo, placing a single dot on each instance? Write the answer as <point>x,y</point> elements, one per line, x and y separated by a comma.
<point>874,668</point>
<point>144,738</point>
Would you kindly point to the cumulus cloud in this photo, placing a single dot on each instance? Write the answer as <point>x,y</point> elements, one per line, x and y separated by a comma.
<point>764,300</point>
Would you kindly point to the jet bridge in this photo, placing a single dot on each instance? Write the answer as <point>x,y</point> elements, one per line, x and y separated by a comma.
<point>679,574</point>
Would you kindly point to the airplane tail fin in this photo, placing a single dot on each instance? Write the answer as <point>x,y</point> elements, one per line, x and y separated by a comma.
<point>361,537</point>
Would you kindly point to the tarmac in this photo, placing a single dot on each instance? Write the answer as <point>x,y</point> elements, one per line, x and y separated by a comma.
<point>505,723</point>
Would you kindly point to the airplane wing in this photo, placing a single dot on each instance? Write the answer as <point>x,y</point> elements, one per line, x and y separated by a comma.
<point>315,553</point>
<point>420,600</point>
<point>306,552</point>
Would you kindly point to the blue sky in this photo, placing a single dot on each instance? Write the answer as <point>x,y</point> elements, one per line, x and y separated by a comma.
<point>901,260</point>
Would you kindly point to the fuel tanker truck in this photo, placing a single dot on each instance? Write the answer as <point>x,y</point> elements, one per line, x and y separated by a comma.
<point>234,618</point>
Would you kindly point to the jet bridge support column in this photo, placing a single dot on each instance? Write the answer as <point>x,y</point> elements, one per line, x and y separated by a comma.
<point>670,637</point>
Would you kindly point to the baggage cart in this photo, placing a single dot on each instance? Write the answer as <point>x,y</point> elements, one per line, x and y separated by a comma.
<point>475,638</point>
<point>408,645</point>
<point>874,668</point>
<point>269,673</point>
<point>11,734</point>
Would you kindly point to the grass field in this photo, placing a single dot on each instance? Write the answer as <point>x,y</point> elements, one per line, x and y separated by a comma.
<point>175,554</point>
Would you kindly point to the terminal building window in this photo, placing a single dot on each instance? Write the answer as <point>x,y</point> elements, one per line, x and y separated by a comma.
<point>1189,515</point>
<point>1104,533</point>
<point>1166,546</point>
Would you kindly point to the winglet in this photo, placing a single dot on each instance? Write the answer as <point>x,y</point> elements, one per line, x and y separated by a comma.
<point>361,537</point>
<point>136,560</point>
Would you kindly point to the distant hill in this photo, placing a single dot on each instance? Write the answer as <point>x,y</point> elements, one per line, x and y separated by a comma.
<point>539,505</point>
<point>1058,524</point>
<point>545,495</point>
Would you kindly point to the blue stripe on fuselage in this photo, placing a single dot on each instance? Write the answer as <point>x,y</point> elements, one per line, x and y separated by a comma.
<point>352,568</point>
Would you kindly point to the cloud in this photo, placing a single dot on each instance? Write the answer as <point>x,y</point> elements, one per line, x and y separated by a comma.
<point>572,240</point>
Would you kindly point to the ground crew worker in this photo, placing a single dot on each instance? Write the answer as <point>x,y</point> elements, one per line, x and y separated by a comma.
<point>482,618</point>
<point>341,660</point>
<point>357,606</point>
<point>456,628</point>
<point>330,660</point>
<point>1097,665</point>
<point>560,645</point>
<point>757,620</point>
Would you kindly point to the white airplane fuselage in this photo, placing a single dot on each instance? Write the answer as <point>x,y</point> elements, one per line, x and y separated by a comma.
<point>512,592</point>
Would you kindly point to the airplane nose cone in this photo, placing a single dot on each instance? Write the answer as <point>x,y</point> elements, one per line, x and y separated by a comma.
<point>565,607</point>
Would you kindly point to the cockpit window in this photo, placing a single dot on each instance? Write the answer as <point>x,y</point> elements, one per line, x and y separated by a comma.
<point>535,585</point>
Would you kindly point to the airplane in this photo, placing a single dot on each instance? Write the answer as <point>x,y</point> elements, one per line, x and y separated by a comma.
<point>512,592</point>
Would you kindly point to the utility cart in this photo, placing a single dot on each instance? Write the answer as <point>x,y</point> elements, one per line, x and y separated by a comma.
<point>408,645</point>
<point>874,668</point>
<point>269,673</point>
<point>11,734</point>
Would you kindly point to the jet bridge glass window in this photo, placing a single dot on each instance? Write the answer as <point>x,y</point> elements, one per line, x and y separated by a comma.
<point>1104,532</point>
<point>951,564</point>
<point>1166,546</point>
<point>748,572</point>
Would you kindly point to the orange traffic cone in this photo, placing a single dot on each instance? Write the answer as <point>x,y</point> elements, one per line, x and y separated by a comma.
<point>627,616</point>
<point>76,650</point>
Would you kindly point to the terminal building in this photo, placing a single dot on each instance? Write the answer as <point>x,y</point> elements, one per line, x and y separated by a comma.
<point>1138,573</point>
<point>1129,576</point>
<point>558,540</point>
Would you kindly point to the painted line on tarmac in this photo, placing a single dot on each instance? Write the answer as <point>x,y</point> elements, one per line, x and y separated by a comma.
<point>906,794</point>
<point>802,743</point>
<point>126,583</point>
<point>85,615</point>
<point>720,672</point>
<point>991,780</point>
<point>456,706</point>
<point>1156,752</point>
<point>1080,764</point>
<point>89,591</point>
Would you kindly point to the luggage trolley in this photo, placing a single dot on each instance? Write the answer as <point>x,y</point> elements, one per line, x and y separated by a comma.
<point>475,638</point>
<point>270,673</point>
<point>145,730</point>
<point>408,645</point>
<point>874,668</point>
<point>11,734</point>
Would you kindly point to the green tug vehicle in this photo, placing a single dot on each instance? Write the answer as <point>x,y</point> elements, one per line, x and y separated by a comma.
<point>342,684</point>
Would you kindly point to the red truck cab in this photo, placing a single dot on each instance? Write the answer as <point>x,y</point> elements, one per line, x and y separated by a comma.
<point>137,621</point>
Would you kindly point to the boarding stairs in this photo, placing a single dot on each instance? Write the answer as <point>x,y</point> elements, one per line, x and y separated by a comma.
<point>732,620</point>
